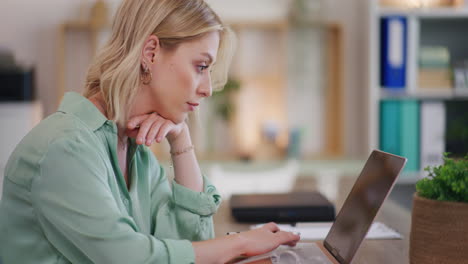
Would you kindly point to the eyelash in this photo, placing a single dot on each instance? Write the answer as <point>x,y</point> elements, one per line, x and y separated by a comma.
<point>202,68</point>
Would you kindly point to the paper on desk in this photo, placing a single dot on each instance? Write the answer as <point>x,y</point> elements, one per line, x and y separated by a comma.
<point>318,231</point>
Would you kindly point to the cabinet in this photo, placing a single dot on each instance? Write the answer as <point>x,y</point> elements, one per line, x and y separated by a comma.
<point>427,35</point>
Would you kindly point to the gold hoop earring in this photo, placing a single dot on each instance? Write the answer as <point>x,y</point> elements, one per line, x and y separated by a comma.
<point>146,76</point>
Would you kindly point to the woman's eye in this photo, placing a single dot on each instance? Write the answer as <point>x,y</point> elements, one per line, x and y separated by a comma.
<point>201,68</point>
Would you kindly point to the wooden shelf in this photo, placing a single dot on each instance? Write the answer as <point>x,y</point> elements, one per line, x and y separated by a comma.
<point>424,94</point>
<point>442,12</point>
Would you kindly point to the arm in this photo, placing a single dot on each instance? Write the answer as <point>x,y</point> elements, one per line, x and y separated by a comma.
<point>81,217</point>
<point>187,174</point>
<point>151,128</point>
<point>186,169</point>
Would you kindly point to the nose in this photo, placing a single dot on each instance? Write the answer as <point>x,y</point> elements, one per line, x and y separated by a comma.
<point>205,89</point>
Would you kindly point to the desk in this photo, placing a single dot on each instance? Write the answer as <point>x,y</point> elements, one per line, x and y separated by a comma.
<point>371,251</point>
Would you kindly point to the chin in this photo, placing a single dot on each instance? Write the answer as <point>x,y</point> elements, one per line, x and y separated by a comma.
<point>179,118</point>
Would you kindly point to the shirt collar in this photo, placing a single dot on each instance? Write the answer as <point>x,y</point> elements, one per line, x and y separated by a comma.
<point>76,104</point>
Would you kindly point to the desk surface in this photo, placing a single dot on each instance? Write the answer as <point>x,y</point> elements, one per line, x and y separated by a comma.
<point>371,251</point>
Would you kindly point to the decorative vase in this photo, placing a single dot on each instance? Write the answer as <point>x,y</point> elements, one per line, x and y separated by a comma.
<point>439,232</point>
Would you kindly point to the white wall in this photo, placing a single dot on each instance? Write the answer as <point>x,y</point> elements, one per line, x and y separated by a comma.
<point>29,29</point>
<point>352,16</point>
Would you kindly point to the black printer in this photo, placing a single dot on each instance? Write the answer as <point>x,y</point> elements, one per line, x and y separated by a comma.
<point>16,83</point>
<point>282,207</point>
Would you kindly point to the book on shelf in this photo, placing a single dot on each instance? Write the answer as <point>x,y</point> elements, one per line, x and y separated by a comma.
<point>409,134</point>
<point>460,76</point>
<point>393,41</point>
<point>456,128</point>
<point>423,131</point>
<point>399,130</point>
<point>432,133</point>
<point>440,79</point>
<point>390,126</point>
<point>434,68</point>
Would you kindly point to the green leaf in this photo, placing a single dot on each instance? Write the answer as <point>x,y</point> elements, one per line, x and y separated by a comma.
<point>447,182</point>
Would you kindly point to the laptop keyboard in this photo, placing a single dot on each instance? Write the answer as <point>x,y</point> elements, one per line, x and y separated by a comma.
<point>302,253</point>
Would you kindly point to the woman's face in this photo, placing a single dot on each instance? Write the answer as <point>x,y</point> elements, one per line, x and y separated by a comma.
<point>180,78</point>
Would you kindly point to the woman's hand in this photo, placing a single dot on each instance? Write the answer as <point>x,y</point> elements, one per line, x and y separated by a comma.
<point>250,243</point>
<point>265,239</point>
<point>150,128</point>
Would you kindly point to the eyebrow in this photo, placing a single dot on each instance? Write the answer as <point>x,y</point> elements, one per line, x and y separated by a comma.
<point>210,58</point>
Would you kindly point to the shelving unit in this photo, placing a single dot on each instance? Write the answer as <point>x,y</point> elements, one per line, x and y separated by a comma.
<point>280,32</point>
<point>425,27</point>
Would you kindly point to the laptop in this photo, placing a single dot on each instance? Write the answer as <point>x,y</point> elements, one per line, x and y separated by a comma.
<point>353,221</point>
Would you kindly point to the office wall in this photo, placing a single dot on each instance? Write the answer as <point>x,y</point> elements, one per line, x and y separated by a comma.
<point>29,29</point>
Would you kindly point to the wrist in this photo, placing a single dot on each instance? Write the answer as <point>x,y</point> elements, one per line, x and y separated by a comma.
<point>182,140</point>
<point>237,245</point>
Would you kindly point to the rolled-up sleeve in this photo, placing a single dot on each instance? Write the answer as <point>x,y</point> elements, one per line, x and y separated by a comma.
<point>81,218</point>
<point>204,203</point>
<point>181,212</point>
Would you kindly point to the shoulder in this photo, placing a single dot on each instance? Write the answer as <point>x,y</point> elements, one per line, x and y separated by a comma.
<point>59,135</point>
<point>61,131</point>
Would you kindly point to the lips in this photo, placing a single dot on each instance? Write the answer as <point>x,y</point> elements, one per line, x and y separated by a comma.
<point>191,106</point>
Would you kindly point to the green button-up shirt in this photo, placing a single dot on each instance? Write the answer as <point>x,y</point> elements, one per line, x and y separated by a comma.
<point>65,199</point>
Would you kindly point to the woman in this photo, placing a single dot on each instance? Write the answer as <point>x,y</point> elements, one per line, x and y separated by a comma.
<point>82,187</point>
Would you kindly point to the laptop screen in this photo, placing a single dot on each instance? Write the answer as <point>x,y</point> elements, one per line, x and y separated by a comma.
<point>362,204</point>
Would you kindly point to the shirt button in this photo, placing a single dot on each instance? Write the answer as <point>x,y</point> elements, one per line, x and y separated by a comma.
<point>125,201</point>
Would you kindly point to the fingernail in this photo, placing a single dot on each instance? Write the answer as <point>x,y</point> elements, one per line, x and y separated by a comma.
<point>159,139</point>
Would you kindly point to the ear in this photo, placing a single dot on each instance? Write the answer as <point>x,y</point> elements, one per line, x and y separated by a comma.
<point>151,48</point>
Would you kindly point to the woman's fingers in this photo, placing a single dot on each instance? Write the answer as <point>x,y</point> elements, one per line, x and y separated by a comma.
<point>151,137</point>
<point>287,237</point>
<point>149,128</point>
<point>165,128</point>
<point>144,128</point>
<point>135,122</point>
<point>272,227</point>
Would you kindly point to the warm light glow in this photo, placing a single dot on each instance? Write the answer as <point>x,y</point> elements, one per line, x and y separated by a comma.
<point>260,100</point>
<point>247,130</point>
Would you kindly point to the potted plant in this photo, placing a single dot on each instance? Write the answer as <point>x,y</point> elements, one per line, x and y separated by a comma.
<point>439,225</point>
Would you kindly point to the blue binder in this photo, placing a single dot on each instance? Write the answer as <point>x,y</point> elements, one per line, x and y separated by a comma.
<point>393,52</point>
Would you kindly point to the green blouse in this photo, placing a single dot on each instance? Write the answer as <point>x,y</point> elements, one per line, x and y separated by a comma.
<point>65,199</point>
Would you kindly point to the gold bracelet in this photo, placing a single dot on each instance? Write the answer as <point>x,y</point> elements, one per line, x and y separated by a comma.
<point>187,149</point>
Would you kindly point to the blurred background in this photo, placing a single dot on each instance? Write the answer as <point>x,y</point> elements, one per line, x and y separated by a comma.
<point>315,85</point>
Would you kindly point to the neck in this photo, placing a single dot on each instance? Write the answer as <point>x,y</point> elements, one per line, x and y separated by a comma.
<point>100,104</point>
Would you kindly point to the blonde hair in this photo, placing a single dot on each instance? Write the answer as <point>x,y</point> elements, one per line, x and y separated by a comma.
<point>116,71</point>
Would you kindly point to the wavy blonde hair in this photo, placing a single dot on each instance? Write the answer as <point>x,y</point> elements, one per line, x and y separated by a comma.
<point>116,71</point>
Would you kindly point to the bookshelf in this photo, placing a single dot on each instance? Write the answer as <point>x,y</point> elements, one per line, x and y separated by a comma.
<point>276,79</point>
<point>441,27</point>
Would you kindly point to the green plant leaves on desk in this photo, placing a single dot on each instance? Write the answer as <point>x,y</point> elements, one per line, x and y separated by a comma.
<point>447,182</point>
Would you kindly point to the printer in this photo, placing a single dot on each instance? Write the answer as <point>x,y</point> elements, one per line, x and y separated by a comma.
<point>16,82</point>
